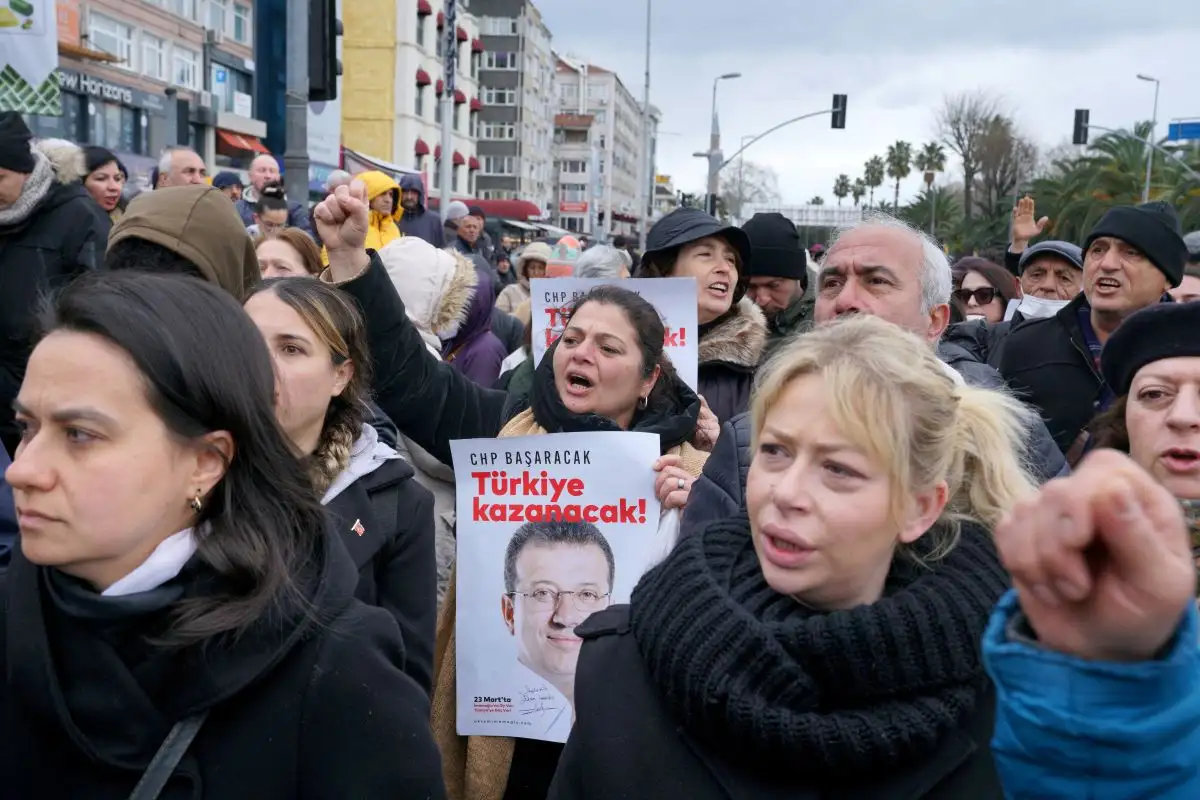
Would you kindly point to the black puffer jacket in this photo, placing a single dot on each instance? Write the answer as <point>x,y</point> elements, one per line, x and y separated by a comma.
<point>63,237</point>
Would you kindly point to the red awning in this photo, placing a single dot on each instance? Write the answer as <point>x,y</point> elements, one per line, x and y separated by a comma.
<point>240,141</point>
<point>437,152</point>
<point>477,45</point>
<point>423,78</point>
<point>473,163</point>
<point>458,159</point>
<point>459,97</point>
<point>461,33</point>
<point>423,8</point>
<point>420,148</point>
<point>506,209</point>
<point>476,105</point>
<point>439,87</point>
<point>441,19</point>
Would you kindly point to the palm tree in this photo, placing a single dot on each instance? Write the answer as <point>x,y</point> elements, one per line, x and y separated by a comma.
<point>857,190</point>
<point>817,201</point>
<point>899,164</point>
<point>873,172</point>
<point>841,187</point>
<point>934,211</point>
<point>931,160</point>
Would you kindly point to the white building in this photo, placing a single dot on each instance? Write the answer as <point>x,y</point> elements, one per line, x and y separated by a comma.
<point>598,150</point>
<point>665,199</point>
<point>419,87</point>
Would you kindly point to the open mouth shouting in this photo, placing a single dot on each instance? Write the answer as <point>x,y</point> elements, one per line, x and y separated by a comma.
<point>719,289</point>
<point>1181,460</point>
<point>1107,286</point>
<point>579,384</point>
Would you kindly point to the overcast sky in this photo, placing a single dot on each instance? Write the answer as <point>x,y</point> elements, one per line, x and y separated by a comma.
<point>895,61</point>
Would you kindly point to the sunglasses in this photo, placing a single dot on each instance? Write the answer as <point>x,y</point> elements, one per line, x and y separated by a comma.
<point>982,295</point>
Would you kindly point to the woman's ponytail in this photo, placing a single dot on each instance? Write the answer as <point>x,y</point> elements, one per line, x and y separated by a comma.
<point>343,426</point>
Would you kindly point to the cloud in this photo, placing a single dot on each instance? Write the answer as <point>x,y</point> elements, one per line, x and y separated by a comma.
<point>896,61</point>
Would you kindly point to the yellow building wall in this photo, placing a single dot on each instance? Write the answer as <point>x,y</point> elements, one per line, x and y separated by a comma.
<point>369,77</point>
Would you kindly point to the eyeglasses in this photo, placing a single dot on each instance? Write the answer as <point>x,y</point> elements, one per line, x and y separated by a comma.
<point>983,295</point>
<point>586,600</point>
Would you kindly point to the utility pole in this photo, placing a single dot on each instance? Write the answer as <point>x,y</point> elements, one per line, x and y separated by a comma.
<point>1150,137</point>
<point>295,157</point>
<point>449,67</point>
<point>644,168</point>
<point>714,148</point>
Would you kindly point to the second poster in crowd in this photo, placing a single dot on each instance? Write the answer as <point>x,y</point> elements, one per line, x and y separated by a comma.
<point>551,301</point>
<point>551,529</point>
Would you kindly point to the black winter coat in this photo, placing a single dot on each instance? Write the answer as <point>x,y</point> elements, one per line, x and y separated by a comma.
<point>63,237</point>
<point>394,555</point>
<point>729,353</point>
<point>1046,362</point>
<point>296,709</point>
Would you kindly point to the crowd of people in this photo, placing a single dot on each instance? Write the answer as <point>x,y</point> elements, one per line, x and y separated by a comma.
<point>929,529</point>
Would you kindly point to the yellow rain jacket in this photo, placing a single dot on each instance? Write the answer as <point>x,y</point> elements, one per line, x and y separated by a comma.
<point>381,229</point>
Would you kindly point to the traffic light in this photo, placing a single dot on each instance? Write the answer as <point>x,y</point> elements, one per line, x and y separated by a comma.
<point>838,119</point>
<point>1081,126</point>
<point>324,67</point>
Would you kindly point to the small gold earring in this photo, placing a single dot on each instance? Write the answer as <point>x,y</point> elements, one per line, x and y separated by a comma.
<point>195,503</point>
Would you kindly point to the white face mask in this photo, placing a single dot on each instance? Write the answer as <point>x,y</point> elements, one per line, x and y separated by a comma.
<point>971,317</point>
<point>1039,307</point>
<point>449,332</point>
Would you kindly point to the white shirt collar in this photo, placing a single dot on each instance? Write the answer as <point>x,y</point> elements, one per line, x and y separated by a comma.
<point>162,565</point>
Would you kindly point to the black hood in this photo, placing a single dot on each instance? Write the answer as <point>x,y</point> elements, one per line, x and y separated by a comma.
<point>81,663</point>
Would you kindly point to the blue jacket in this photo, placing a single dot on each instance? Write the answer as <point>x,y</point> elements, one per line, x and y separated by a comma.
<point>422,223</point>
<point>1069,728</point>
<point>8,513</point>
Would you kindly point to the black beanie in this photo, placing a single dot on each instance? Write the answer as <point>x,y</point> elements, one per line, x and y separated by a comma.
<point>1163,330</point>
<point>776,248</point>
<point>15,152</point>
<point>1152,228</point>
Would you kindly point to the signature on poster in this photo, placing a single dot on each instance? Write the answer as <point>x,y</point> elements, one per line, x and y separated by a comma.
<point>536,701</point>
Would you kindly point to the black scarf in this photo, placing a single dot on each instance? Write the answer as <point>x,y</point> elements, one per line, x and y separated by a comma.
<point>824,697</point>
<point>672,415</point>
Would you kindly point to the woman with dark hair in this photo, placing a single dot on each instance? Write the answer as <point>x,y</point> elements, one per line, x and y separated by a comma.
<point>270,212</point>
<point>687,243</point>
<point>288,253</point>
<point>178,599</point>
<point>105,179</point>
<point>983,290</point>
<point>385,519</point>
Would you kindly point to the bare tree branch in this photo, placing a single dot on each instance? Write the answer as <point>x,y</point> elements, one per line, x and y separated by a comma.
<point>962,123</point>
<point>749,183</point>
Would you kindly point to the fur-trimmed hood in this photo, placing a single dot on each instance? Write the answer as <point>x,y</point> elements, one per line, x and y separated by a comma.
<point>737,339</point>
<point>435,285</point>
<point>66,158</point>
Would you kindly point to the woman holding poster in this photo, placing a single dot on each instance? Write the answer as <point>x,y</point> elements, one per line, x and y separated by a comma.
<point>687,243</point>
<point>828,645</point>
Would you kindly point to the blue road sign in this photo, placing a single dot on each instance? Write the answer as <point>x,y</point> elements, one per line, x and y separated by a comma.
<point>1184,131</point>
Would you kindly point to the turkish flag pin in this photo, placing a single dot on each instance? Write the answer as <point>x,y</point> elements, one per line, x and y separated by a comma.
<point>358,528</point>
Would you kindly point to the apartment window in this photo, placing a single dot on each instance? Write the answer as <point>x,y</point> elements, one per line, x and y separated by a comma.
<point>499,97</point>
<point>217,12</point>
<point>226,83</point>
<point>474,65</point>
<point>185,67</point>
<point>417,163</point>
<point>572,167</point>
<point>420,30</point>
<point>437,109</point>
<point>500,165</point>
<point>500,60</point>
<point>473,125</point>
<point>455,118</point>
<point>471,183</point>
<point>573,192</point>
<point>188,9</point>
<point>499,131</point>
<point>154,57</point>
<point>111,36</point>
<point>498,26</point>
<point>241,23</point>
<point>441,41</point>
<point>420,104</point>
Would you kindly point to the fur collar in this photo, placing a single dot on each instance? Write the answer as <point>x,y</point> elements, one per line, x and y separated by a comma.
<point>457,299</point>
<point>738,339</point>
<point>66,158</point>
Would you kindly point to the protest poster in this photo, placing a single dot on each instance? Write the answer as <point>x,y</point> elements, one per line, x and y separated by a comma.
<point>550,530</point>
<point>29,34</point>
<point>551,300</point>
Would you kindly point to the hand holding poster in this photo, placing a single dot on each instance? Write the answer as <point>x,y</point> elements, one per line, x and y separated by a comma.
<point>551,529</point>
<point>551,301</point>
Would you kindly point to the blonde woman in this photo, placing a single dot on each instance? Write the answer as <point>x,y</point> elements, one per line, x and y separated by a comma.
<point>828,643</point>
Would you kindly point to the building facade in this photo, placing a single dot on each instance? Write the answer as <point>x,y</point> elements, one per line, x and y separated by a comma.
<point>598,150</point>
<point>394,82</point>
<point>516,125</point>
<point>136,77</point>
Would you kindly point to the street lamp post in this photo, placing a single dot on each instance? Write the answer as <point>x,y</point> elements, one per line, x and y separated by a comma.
<point>741,175</point>
<point>645,168</point>
<point>714,146</point>
<point>1150,136</point>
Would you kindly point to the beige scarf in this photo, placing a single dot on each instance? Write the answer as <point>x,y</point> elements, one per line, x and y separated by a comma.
<point>476,767</point>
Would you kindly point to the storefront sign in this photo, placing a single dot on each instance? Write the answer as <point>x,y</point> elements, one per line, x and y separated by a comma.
<point>71,81</point>
<point>573,208</point>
